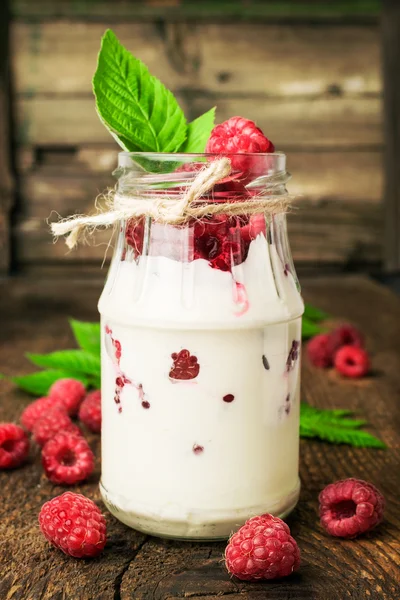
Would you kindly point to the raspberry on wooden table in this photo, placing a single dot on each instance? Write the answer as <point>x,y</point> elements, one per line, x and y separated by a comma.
<point>262,549</point>
<point>73,524</point>
<point>35,410</point>
<point>318,351</point>
<point>350,507</point>
<point>70,393</point>
<point>14,446</point>
<point>345,335</point>
<point>90,411</point>
<point>67,458</point>
<point>52,422</point>
<point>352,362</point>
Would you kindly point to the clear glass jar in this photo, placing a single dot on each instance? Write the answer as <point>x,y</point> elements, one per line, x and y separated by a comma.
<point>201,333</point>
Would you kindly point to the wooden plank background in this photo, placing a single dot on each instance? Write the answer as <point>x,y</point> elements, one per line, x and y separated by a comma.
<point>314,87</point>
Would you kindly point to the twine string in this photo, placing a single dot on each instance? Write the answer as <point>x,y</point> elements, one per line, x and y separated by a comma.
<point>171,210</point>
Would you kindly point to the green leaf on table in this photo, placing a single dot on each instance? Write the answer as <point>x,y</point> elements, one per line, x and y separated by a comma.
<point>78,361</point>
<point>198,132</point>
<point>334,426</point>
<point>140,111</point>
<point>311,313</point>
<point>87,335</point>
<point>309,329</point>
<point>39,383</point>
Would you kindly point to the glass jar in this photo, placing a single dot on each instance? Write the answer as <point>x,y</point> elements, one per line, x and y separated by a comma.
<point>201,333</point>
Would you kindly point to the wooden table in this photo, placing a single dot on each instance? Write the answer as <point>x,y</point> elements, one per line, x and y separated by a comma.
<point>135,566</point>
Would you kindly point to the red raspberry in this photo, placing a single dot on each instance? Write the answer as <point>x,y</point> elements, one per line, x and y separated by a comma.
<point>74,524</point>
<point>134,233</point>
<point>238,136</point>
<point>262,549</point>
<point>255,226</point>
<point>14,446</point>
<point>35,410</point>
<point>318,351</point>
<point>90,411</point>
<point>67,458</point>
<point>352,362</point>
<point>345,335</point>
<point>47,426</point>
<point>69,392</point>
<point>185,365</point>
<point>350,507</point>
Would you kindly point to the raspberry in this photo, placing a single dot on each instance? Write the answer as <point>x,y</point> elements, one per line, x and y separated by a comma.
<point>35,410</point>
<point>318,351</point>
<point>255,226</point>
<point>262,549</point>
<point>90,411</point>
<point>14,446</point>
<point>218,239</point>
<point>67,458</point>
<point>134,234</point>
<point>48,425</point>
<point>345,335</point>
<point>352,362</point>
<point>350,507</point>
<point>74,524</point>
<point>185,366</point>
<point>238,136</point>
<point>69,392</point>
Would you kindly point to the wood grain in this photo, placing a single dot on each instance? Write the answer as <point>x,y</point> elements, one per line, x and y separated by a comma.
<point>359,10</point>
<point>275,60</point>
<point>140,568</point>
<point>391,57</point>
<point>6,179</point>
<point>325,122</point>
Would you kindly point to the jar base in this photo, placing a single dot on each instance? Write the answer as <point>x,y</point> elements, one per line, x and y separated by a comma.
<point>197,527</point>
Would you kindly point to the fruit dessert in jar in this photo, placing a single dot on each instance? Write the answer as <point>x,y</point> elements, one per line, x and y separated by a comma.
<point>201,330</point>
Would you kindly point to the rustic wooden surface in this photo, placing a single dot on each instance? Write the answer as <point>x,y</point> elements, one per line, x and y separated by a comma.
<point>315,88</point>
<point>6,180</point>
<point>391,56</point>
<point>137,567</point>
<point>368,10</point>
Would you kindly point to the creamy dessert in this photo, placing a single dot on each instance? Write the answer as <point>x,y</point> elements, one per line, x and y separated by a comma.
<point>200,387</point>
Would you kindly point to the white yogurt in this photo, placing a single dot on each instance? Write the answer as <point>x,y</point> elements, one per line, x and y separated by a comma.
<point>195,458</point>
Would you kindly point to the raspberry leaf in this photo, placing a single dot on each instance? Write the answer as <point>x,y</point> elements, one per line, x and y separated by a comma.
<point>87,335</point>
<point>39,383</point>
<point>311,313</point>
<point>78,361</point>
<point>309,329</point>
<point>198,133</point>
<point>333,426</point>
<point>135,106</point>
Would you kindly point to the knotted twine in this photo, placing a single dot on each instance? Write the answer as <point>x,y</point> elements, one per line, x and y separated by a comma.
<point>171,210</point>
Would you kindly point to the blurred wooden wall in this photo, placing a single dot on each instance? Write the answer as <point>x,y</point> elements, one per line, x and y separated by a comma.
<point>311,81</point>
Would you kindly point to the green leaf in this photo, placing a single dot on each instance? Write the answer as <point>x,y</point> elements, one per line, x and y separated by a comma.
<point>309,329</point>
<point>198,133</point>
<point>312,313</point>
<point>78,361</point>
<point>142,114</point>
<point>333,426</point>
<point>40,382</point>
<point>339,435</point>
<point>95,382</point>
<point>87,335</point>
